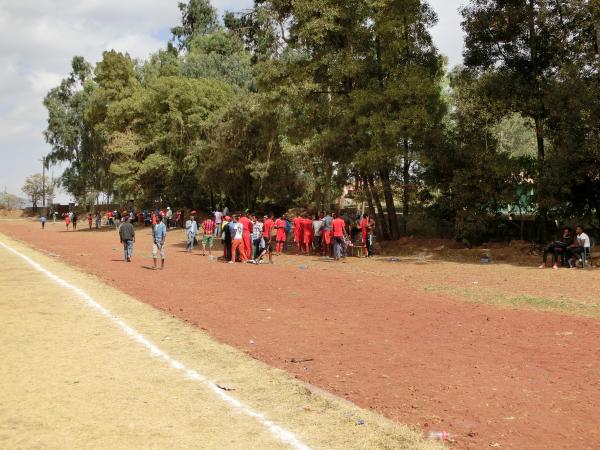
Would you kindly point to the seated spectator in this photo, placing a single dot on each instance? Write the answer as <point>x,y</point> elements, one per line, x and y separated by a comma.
<point>558,248</point>
<point>579,247</point>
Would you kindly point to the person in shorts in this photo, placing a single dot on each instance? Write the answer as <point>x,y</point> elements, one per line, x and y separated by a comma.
<point>207,228</point>
<point>159,235</point>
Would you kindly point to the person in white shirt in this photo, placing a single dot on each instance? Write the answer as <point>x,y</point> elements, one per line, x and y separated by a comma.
<point>581,246</point>
<point>237,241</point>
<point>218,222</point>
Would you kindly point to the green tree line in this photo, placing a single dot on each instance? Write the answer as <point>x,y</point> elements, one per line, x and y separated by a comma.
<point>285,104</point>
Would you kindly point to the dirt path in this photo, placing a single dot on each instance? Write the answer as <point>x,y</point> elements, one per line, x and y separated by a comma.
<point>76,376</point>
<point>499,377</point>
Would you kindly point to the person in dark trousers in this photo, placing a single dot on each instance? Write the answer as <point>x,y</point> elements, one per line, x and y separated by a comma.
<point>558,249</point>
<point>227,239</point>
<point>127,236</point>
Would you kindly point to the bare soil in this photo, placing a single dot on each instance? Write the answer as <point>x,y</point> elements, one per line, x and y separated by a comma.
<point>396,337</point>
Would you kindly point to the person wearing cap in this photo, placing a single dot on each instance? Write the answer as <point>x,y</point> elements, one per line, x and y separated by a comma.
<point>191,227</point>
<point>127,237</point>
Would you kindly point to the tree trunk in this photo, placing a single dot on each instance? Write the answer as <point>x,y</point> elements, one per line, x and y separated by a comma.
<point>370,204</point>
<point>389,204</point>
<point>385,232</point>
<point>405,186</point>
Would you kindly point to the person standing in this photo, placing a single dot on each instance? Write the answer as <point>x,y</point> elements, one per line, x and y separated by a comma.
<point>74,219</point>
<point>280,237</point>
<point>257,237</point>
<point>169,218</point>
<point>226,236</point>
<point>54,214</point>
<point>67,220</point>
<point>298,232</point>
<point>247,232</point>
<point>237,245</point>
<point>317,227</point>
<point>43,220</point>
<point>208,228</point>
<point>127,237</point>
<point>327,220</point>
<point>268,226</point>
<point>338,228</point>
<point>89,217</point>
<point>159,235</point>
<point>218,222</point>
<point>191,227</point>
<point>307,233</point>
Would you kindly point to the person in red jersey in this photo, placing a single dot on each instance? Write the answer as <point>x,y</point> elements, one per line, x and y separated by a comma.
<point>247,231</point>
<point>338,227</point>
<point>207,228</point>
<point>307,233</point>
<point>268,226</point>
<point>298,232</point>
<point>281,234</point>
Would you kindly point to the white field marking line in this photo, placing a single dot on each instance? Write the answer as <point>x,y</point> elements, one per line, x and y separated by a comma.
<point>282,434</point>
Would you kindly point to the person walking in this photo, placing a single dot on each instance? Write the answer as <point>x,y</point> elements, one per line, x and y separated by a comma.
<point>43,220</point>
<point>54,214</point>
<point>159,235</point>
<point>237,245</point>
<point>127,237</point>
<point>207,228</point>
<point>191,227</point>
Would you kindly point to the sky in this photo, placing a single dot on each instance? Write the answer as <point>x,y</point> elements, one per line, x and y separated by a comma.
<point>38,39</point>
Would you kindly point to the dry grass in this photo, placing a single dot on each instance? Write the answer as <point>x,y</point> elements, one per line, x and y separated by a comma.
<point>503,300</point>
<point>71,379</point>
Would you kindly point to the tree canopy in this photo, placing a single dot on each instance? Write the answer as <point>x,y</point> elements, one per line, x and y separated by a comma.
<point>290,103</point>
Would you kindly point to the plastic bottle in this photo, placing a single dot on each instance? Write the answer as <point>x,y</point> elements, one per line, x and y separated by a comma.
<point>443,436</point>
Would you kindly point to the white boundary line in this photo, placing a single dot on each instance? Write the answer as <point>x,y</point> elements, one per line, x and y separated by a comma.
<point>280,433</point>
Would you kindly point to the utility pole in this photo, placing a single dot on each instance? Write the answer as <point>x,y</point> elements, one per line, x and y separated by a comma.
<point>44,183</point>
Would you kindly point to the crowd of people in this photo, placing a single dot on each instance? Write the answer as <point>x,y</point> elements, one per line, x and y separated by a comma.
<point>250,238</point>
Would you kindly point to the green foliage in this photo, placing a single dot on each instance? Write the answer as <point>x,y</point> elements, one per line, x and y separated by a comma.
<point>292,101</point>
<point>198,17</point>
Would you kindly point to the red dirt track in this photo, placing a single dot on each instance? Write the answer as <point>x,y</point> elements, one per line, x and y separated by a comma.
<point>496,377</point>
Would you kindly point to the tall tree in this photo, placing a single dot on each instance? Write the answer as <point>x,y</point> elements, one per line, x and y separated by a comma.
<point>198,17</point>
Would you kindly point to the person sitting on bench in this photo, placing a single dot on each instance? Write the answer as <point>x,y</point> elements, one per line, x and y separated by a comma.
<point>581,247</point>
<point>557,248</point>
